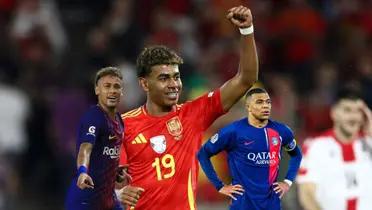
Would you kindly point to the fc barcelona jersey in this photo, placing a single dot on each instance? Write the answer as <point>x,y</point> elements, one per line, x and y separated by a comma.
<point>105,134</point>
<point>161,151</point>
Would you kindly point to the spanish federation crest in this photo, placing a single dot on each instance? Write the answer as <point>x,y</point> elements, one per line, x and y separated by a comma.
<point>158,144</point>
<point>174,127</point>
<point>275,141</point>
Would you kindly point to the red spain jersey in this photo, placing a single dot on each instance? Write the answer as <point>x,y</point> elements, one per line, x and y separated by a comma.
<point>161,151</point>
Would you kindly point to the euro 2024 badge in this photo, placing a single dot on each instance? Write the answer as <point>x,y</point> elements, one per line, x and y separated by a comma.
<point>158,144</point>
<point>174,127</point>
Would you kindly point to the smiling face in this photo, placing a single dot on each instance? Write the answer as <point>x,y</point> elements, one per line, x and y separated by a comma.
<point>109,90</point>
<point>258,106</point>
<point>163,86</point>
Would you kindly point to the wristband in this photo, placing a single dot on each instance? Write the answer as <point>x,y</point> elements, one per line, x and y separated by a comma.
<point>246,31</point>
<point>289,182</point>
<point>82,169</point>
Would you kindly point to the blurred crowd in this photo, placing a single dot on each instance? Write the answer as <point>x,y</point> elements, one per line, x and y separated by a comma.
<point>49,50</point>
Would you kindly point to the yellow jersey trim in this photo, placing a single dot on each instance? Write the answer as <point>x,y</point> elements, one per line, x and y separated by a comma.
<point>132,113</point>
<point>190,193</point>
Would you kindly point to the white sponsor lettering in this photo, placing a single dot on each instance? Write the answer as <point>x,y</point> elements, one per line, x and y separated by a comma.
<point>113,152</point>
<point>263,157</point>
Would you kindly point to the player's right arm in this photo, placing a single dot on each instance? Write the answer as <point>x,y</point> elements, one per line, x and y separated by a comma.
<point>223,140</point>
<point>308,176</point>
<point>82,162</point>
<point>89,129</point>
<point>306,193</point>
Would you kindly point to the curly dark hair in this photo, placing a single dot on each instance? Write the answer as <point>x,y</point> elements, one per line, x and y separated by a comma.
<point>155,55</point>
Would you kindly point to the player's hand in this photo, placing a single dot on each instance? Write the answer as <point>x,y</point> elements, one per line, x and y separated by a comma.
<point>230,190</point>
<point>281,188</point>
<point>85,181</point>
<point>129,195</point>
<point>240,16</point>
<point>122,177</point>
<point>367,127</point>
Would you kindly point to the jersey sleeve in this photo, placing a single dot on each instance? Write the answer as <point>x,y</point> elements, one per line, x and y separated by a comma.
<point>123,160</point>
<point>294,151</point>
<point>288,141</point>
<point>309,168</point>
<point>90,127</point>
<point>208,108</point>
<point>223,140</point>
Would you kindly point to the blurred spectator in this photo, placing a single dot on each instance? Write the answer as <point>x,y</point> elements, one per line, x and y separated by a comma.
<point>42,14</point>
<point>131,89</point>
<point>315,106</point>
<point>14,112</point>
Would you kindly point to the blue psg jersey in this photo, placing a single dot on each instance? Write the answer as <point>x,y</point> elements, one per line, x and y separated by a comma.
<point>106,136</point>
<point>253,157</point>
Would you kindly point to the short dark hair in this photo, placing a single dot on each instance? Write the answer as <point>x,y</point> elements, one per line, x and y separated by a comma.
<point>155,55</point>
<point>107,71</point>
<point>254,91</point>
<point>350,92</point>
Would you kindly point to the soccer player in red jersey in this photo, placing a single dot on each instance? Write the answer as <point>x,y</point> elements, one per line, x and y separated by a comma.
<point>162,138</point>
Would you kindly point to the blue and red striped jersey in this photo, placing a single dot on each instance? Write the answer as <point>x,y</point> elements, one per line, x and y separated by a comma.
<point>254,156</point>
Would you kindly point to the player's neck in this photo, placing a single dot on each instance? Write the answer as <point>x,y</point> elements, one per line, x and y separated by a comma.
<point>343,136</point>
<point>156,110</point>
<point>257,122</point>
<point>109,111</point>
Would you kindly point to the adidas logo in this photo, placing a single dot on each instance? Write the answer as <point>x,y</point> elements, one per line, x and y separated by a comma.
<point>140,139</point>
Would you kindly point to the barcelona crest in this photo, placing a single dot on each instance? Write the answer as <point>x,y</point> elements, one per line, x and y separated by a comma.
<point>174,127</point>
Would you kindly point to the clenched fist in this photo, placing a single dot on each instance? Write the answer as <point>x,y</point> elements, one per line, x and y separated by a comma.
<point>240,16</point>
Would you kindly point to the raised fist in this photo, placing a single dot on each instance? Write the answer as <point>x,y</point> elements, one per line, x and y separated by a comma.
<point>240,16</point>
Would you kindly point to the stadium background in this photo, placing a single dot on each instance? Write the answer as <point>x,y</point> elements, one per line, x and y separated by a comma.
<point>49,50</point>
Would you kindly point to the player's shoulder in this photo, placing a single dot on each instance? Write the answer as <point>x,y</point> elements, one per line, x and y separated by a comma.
<point>204,97</point>
<point>279,126</point>
<point>93,112</point>
<point>133,114</point>
<point>321,141</point>
<point>237,125</point>
<point>241,122</point>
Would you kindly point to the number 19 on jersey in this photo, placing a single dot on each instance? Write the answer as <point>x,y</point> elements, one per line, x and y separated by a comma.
<point>163,164</point>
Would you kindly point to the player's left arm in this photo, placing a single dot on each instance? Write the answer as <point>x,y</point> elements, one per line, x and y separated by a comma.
<point>247,74</point>
<point>295,154</point>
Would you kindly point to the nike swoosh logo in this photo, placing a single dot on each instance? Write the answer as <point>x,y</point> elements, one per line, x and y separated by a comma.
<point>248,143</point>
<point>112,137</point>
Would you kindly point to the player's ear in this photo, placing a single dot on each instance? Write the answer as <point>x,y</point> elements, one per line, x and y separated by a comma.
<point>333,114</point>
<point>96,90</point>
<point>247,102</point>
<point>143,83</point>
